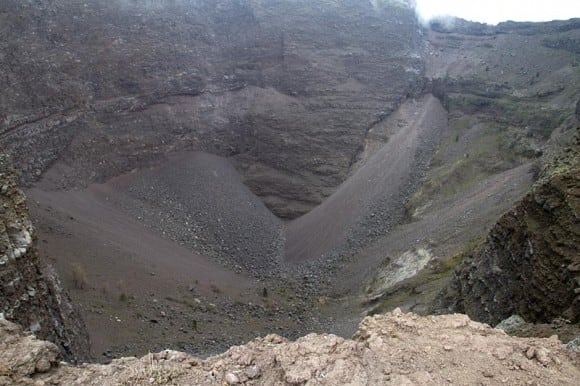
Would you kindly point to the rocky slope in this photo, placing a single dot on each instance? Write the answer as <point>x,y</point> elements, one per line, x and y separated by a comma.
<point>30,292</point>
<point>393,349</point>
<point>203,195</point>
<point>529,264</point>
<point>371,202</point>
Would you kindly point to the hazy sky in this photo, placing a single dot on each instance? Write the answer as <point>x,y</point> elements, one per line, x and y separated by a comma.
<point>495,11</point>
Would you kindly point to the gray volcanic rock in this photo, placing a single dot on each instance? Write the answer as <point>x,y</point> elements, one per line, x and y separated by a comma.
<point>511,324</point>
<point>30,293</point>
<point>289,88</point>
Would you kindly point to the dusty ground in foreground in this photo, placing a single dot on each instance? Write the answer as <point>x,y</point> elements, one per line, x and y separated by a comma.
<point>392,349</point>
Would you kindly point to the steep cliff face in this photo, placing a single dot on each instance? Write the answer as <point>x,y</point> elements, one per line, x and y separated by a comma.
<point>30,293</point>
<point>530,263</point>
<point>287,88</point>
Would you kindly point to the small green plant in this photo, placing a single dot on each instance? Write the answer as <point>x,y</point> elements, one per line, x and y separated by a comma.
<point>123,297</point>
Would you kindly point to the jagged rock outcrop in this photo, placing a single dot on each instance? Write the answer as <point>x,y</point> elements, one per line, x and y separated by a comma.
<point>30,293</point>
<point>394,349</point>
<point>530,262</point>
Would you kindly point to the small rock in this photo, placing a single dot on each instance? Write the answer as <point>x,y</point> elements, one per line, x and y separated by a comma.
<point>530,353</point>
<point>542,355</point>
<point>574,344</point>
<point>511,324</point>
<point>232,379</point>
<point>397,312</point>
<point>43,365</point>
<point>253,372</point>
<point>487,374</point>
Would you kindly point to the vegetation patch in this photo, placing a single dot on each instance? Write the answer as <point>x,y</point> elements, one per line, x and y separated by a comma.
<point>530,115</point>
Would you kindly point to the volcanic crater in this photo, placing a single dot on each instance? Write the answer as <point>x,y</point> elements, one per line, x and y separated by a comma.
<point>201,173</point>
